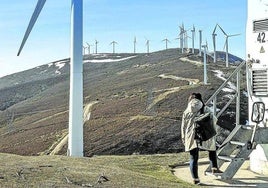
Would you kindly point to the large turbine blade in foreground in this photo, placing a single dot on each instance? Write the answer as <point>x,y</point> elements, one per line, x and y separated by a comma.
<point>38,8</point>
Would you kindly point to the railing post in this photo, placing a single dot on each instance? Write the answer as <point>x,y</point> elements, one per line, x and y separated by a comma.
<point>215,105</point>
<point>237,118</point>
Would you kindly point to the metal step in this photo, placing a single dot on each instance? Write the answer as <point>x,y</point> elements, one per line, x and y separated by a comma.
<point>237,143</point>
<point>225,158</point>
<point>248,127</point>
<point>230,159</point>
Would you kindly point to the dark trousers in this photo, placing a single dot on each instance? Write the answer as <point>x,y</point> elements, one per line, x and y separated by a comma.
<point>194,155</point>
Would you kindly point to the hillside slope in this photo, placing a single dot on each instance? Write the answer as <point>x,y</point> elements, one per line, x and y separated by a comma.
<point>134,103</point>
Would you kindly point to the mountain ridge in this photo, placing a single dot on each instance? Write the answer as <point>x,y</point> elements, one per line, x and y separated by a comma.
<point>140,100</point>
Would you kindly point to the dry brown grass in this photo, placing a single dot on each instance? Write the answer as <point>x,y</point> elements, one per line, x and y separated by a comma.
<point>122,171</point>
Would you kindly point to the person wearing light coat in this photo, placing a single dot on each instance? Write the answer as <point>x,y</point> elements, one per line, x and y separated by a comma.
<point>194,108</point>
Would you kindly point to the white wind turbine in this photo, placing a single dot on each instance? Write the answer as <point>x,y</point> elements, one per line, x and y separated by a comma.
<point>148,46</point>
<point>96,45</point>
<point>214,43</point>
<point>75,142</point>
<point>167,41</point>
<point>193,36</point>
<point>181,37</point>
<point>200,41</point>
<point>88,47</point>
<point>226,46</point>
<point>84,50</point>
<point>135,42</point>
<point>205,46</point>
<point>113,43</point>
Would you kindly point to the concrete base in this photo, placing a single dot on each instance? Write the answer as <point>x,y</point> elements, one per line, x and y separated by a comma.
<point>243,178</point>
<point>259,159</point>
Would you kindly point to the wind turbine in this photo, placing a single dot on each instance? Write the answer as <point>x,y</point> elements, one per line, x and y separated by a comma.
<point>84,50</point>
<point>96,44</point>
<point>181,37</point>
<point>193,36</point>
<point>166,40</point>
<point>214,42</point>
<point>148,46</point>
<point>205,46</point>
<point>135,42</point>
<point>113,43</point>
<point>200,41</point>
<point>226,46</point>
<point>88,47</point>
<point>75,142</point>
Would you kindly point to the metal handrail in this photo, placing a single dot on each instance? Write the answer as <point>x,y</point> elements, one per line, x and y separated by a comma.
<point>237,94</point>
<point>226,82</point>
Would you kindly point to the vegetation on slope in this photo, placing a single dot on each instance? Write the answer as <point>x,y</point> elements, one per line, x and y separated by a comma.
<point>120,171</point>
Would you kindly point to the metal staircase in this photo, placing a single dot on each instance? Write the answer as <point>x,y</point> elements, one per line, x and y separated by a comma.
<point>237,147</point>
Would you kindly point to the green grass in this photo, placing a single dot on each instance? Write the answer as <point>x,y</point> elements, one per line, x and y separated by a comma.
<point>61,171</point>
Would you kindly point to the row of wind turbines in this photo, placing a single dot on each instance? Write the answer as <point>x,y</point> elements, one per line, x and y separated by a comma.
<point>183,43</point>
<point>75,137</point>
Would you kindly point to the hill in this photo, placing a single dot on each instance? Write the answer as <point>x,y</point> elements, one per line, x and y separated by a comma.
<point>133,103</point>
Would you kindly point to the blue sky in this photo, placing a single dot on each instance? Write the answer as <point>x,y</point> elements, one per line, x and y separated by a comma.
<point>118,20</point>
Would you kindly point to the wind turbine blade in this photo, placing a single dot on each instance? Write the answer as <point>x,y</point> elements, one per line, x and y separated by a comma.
<point>225,44</point>
<point>222,30</point>
<point>215,29</point>
<point>233,35</point>
<point>38,8</point>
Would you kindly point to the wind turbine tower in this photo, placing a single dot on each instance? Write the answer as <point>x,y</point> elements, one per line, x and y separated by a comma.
<point>205,62</point>
<point>185,40</point>
<point>135,42</point>
<point>200,41</point>
<point>84,50</point>
<point>75,142</point>
<point>193,36</point>
<point>148,46</point>
<point>214,43</point>
<point>88,47</point>
<point>167,41</point>
<point>181,37</point>
<point>96,45</point>
<point>113,43</point>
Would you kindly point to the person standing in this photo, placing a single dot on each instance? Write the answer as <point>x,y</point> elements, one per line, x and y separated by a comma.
<point>194,108</point>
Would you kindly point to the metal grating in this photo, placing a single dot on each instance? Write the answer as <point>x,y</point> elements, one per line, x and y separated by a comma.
<point>260,82</point>
<point>260,25</point>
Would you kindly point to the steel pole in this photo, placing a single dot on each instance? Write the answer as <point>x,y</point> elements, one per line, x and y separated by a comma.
<point>75,143</point>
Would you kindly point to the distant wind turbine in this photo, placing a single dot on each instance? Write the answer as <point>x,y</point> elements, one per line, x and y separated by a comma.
<point>148,46</point>
<point>181,37</point>
<point>96,45</point>
<point>88,47</point>
<point>226,46</point>
<point>200,41</point>
<point>75,143</point>
<point>113,43</point>
<point>167,41</point>
<point>214,43</point>
<point>84,50</point>
<point>205,62</point>
<point>193,36</point>
<point>135,42</point>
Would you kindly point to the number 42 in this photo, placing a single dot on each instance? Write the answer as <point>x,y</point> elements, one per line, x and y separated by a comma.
<point>261,37</point>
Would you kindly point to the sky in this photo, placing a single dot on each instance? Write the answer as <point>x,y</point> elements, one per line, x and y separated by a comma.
<point>114,20</point>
